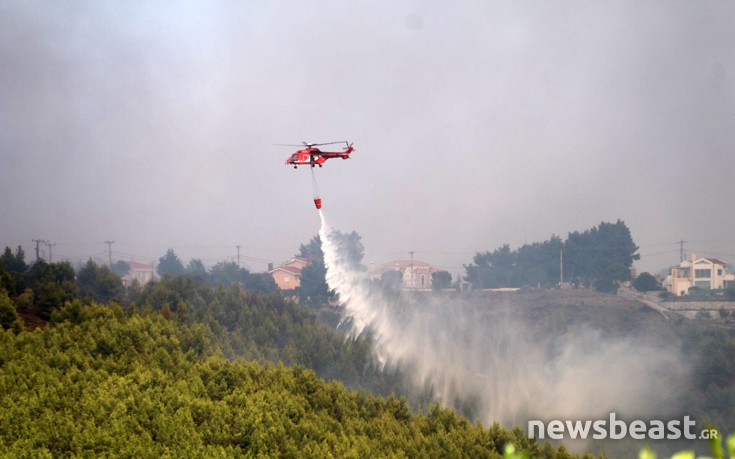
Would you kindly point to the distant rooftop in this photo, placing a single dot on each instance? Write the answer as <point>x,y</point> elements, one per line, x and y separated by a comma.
<point>136,265</point>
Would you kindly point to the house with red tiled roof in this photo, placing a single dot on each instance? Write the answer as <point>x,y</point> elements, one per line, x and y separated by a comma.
<point>138,271</point>
<point>704,273</point>
<point>288,275</point>
<point>416,275</point>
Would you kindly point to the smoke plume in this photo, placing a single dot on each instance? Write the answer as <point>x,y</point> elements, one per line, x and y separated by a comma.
<point>493,365</point>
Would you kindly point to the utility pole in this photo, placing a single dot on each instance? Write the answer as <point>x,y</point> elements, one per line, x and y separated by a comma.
<point>681,250</point>
<point>38,243</point>
<point>109,251</point>
<point>238,255</point>
<point>50,257</point>
<point>561,267</point>
<point>411,252</point>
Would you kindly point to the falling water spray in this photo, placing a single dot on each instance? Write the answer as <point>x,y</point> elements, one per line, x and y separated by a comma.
<point>470,355</point>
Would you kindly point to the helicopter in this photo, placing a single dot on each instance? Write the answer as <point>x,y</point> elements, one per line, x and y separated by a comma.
<point>312,156</point>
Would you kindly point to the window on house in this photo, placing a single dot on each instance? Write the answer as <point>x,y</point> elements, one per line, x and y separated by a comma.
<point>719,272</point>
<point>286,279</point>
<point>423,280</point>
<point>702,273</point>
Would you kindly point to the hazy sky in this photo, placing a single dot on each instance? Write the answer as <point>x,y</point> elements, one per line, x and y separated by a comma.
<point>476,123</point>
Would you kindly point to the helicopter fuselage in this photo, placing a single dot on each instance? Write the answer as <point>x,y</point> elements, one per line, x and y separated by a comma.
<point>313,156</point>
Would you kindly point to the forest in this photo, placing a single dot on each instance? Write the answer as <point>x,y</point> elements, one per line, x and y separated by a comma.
<point>600,257</point>
<point>187,369</point>
<point>101,381</point>
<point>220,364</point>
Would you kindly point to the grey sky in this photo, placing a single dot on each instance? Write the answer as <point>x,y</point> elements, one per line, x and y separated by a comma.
<point>476,124</point>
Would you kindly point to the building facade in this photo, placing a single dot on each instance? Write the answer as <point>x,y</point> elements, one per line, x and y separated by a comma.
<point>139,272</point>
<point>704,273</point>
<point>416,275</point>
<point>288,275</point>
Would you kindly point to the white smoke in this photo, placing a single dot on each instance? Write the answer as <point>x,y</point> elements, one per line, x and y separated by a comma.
<point>470,355</point>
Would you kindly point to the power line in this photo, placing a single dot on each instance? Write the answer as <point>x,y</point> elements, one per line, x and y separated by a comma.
<point>719,254</point>
<point>658,253</point>
<point>49,245</point>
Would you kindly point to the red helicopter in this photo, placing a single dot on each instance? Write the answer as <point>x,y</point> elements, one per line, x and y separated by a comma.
<point>312,156</point>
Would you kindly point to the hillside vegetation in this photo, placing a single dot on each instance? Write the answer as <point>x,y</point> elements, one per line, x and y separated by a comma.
<point>185,367</point>
<point>98,381</point>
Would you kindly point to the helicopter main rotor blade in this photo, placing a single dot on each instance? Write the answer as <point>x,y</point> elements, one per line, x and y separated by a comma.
<point>327,143</point>
<point>307,144</point>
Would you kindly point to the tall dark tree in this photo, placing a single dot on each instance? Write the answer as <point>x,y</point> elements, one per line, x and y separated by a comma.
<point>493,269</point>
<point>170,264</point>
<point>14,262</point>
<point>7,280</point>
<point>312,249</point>
<point>16,268</point>
<point>578,255</point>
<point>479,273</point>
<point>197,269</point>
<point>52,285</point>
<point>538,263</point>
<point>601,256</point>
<point>314,289</point>
<point>260,282</point>
<point>350,248</point>
<point>228,273</point>
<point>9,318</point>
<point>99,283</point>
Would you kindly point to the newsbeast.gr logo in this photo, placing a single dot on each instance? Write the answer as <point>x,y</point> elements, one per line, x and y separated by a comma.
<point>617,429</point>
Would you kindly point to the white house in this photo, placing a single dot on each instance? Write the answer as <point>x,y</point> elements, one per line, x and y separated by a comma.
<point>416,274</point>
<point>705,273</point>
<point>138,271</point>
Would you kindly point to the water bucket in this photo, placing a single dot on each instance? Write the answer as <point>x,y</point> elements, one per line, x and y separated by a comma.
<point>318,203</point>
